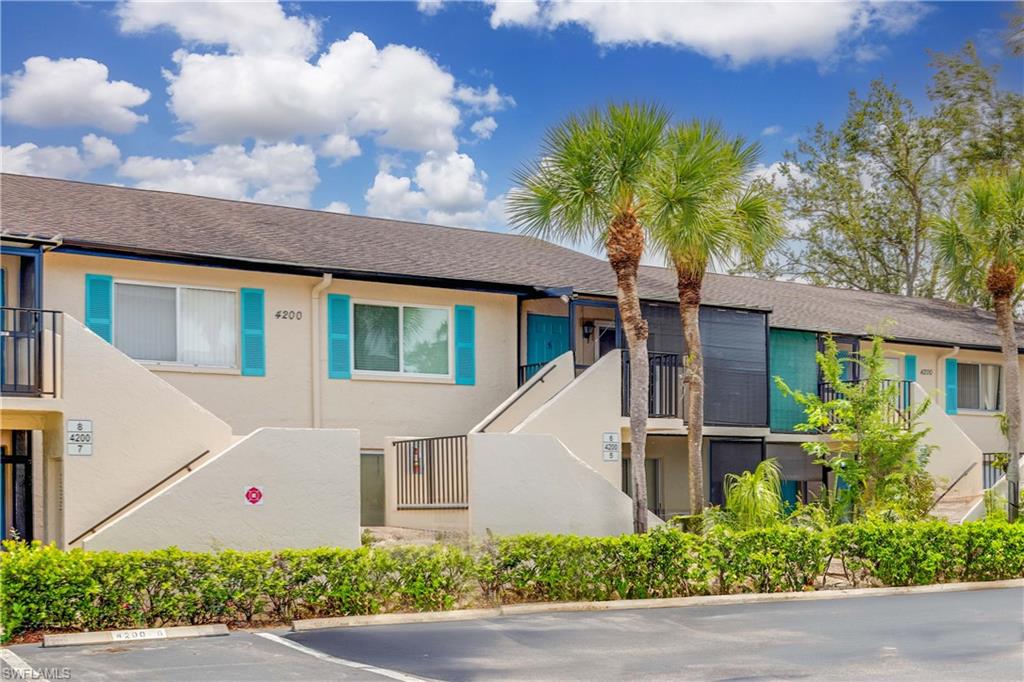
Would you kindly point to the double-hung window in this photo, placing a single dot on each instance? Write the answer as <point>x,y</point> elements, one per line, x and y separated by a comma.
<point>978,387</point>
<point>176,324</point>
<point>401,339</point>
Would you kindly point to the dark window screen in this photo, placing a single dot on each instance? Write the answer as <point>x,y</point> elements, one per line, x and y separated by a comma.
<point>730,457</point>
<point>735,366</point>
<point>735,359</point>
<point>666,329</point>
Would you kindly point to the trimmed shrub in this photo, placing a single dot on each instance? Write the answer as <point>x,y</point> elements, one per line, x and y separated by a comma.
<point>43,588</point>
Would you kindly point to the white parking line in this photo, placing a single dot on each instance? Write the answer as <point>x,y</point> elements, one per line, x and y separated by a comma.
<point>393,674</point>
<point>22,670</point>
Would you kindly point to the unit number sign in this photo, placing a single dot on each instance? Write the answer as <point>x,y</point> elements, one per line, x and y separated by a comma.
<point>611,447</point>
<point>79,439</point>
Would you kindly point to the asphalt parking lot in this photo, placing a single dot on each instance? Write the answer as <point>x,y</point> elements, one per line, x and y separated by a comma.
<point>942,636</point>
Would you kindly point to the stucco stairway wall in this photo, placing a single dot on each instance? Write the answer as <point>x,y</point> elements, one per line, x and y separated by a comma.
<point>538,390</point>
<point>581,412</point>
<point>309,480</point>
<point>144,428</point>
<point>954,450</point>
<point>530,483</point>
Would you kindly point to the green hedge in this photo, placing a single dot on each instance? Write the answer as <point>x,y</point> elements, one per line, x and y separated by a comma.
<point>43,588</point>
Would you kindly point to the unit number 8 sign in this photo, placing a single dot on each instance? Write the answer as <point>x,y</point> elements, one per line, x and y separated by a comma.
<point>79,439</point>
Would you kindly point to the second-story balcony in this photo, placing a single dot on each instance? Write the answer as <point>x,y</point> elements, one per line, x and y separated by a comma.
<point>665,387</point>
<point>29,352</point>
<point>899,412</point>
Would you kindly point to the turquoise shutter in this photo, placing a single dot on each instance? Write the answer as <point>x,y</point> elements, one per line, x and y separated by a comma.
<point>99,305</point>
<point>910,367</point>
<point>465,345</point>
<point>254,354</point>
<point>910,373</point>
<point>339,365</point>
<point>951,397</point>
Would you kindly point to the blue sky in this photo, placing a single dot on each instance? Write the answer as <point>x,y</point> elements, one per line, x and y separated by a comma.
<point>423,111</point>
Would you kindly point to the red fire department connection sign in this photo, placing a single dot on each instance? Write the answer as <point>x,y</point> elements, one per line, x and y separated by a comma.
<point>254,495</point>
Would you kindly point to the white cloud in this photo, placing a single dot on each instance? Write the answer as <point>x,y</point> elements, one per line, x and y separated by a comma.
<point>771,130</point>
<point>71,92</point>
<point>444,188</point>
<point>337,207</point>
<point>398,94</point>
<point>272,86</point>
<point>773,173</point>
<point>868,53</point>
<point>340,147</point>
<point>515,13</point>
<point>484,127</point>
<point>430,7</point>
<point>60,161</point>
<point>483,100</point>
<point>282,173</point>
<point>737,33</point>
<point>249,27</point>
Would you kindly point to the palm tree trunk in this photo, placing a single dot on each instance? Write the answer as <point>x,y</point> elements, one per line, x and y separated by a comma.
<point>689,285</point>
<point>625,247</point>
<point>1011,380</point>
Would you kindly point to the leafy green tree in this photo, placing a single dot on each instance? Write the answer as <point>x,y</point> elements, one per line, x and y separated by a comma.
<point>702,210</point>
<point>985,239</point>
<point>860,198</point>
<point>873,447</point>
<point>989,121</point>
<point>587,185</point>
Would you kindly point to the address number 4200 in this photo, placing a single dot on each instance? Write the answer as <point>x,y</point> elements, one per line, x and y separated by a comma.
<point>288,315</point>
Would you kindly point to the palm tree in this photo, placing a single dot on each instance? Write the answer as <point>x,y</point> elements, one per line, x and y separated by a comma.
<point>704,210</point>
<point>586,186</point>
<point>986,235</point>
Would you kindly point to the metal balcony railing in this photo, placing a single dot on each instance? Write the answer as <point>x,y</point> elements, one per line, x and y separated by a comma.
<point>664,388</point>
<point>28,352</point>
<point>901,404</point>
<point>526,372</point>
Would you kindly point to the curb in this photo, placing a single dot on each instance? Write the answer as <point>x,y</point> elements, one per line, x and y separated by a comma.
<point>138,635</point>
<point>393,619</point>
<point>631,604</point>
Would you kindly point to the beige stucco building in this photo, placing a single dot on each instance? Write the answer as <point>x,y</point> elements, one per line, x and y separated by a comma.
<point>149,336</point>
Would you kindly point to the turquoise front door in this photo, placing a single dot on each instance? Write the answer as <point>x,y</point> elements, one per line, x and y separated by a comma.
<point>547,337</point>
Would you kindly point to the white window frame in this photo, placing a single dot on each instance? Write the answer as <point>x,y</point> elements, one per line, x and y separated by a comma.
<point>401,341</point>
<point>1000,395</point>
<point>177,322</point>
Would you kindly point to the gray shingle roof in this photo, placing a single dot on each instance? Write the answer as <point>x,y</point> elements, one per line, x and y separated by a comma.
<point>102,216</point>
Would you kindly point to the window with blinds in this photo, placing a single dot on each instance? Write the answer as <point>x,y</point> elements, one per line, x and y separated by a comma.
<point>978,387</point>
<point>176,324</point>
<point>402,339</point>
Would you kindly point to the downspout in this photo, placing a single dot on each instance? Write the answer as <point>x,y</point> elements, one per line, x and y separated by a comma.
<point>315,343</point>
<point>941,361</point>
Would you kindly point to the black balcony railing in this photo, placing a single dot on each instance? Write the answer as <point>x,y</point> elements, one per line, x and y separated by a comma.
<point>526,372</point>
<point>900,409</point>
<point>663,390</point>
<point>28,352</point>
<point>432,473</point>
<point>993,467</point>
